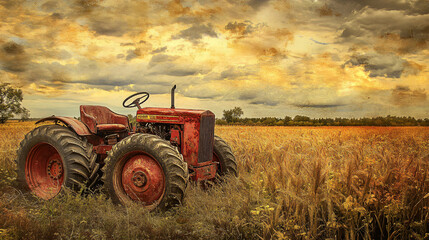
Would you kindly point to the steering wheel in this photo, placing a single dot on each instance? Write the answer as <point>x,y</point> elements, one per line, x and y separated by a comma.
<point>137,101</point>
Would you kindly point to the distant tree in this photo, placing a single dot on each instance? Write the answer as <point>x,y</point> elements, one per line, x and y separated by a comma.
<point>280,123</point>
<point>249,122</point>
<point>299,118</point>
<point>25,115</point>
<point>10,102</point>
<point>269,121</point>
<point>232,115</point>
<point>220,122</point>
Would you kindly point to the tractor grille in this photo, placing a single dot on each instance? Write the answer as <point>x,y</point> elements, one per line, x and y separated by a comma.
<point>205,148</point>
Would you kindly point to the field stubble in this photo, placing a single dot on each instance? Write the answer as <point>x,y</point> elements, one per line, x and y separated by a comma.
<point>294,183</point>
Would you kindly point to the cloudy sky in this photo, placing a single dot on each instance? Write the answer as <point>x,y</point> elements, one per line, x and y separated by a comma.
<point>320,58</point>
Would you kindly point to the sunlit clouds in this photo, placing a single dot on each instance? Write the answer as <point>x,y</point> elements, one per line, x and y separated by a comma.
<point>327,58</point>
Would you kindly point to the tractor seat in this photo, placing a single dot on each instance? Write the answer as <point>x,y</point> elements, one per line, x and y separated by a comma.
<point>111,127</point>
<point>102,120</point>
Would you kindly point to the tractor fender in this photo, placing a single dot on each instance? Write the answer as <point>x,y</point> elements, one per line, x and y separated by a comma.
<point>79,127</point>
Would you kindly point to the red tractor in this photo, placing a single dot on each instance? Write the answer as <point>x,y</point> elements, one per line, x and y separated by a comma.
<point>149,163</point>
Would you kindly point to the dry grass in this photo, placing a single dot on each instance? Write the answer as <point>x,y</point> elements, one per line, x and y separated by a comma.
<point>295,183</point>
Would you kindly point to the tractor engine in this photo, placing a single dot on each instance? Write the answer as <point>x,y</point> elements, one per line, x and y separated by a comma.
<point>191,131</point>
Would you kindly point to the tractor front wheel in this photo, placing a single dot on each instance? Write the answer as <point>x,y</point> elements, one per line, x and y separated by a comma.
<point>223,155</point>
<point>51,157</point>
<point>147,169</point>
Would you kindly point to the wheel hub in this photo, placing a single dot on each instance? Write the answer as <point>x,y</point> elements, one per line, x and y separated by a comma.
<point>142,178</point>
<point>55,169</point>
<point>139,179</point>
<point>44,170</point>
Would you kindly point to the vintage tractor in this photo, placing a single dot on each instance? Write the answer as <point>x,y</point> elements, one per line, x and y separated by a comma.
<point>148,163</point>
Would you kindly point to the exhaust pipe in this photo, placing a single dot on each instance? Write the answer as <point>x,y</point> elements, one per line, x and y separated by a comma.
<point>172,97</point>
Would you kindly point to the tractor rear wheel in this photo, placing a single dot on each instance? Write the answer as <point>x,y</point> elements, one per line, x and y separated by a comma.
<point>50,158</point>
<point>147,169</point>
<point>222,154</point>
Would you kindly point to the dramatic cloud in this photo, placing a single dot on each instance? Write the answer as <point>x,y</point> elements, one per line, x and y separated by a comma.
<point>256,4</point>
<point>13,57</point>
<point>271,57</point>
<point>108,25</point>
<point>240,29</point>
<point>326,11</point>
<point>387,24</point>
<point>236,72</point>
<point>390,66</point>
<point>160,58</point>
<point>404,96</point>
<point>411,7</point>
<point>319,105</point>
<point>159,50</point>
<point>196,32</point>
<point>162,64</point>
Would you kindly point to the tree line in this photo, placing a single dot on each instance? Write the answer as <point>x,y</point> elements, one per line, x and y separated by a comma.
<point>233,117</point>
<point>11,98</point>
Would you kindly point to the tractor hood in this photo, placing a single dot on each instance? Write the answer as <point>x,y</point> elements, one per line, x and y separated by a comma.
<point>171,115</point>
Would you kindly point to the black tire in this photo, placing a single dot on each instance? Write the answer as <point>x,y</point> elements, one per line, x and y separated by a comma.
<point>74,158</point>
<point>227,162</point>
<point>174,170</point>
<point>94,180</point>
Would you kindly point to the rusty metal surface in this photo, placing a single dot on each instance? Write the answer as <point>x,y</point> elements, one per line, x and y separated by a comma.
<point>44,171</point>
<point>102,149</point>
<point>142,177</point>
<point>190,138</point>
<point>159,118</point>
<point>92,116</point>
<point>204,172</point>
<point>190,141</point>
<point>75,124</point>
<point>175,137</point>
<point>181,113</point>
<point>111,127</point>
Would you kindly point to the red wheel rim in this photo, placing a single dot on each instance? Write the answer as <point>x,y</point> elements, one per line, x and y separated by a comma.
<point>140,179</point>
<point>44,171</point>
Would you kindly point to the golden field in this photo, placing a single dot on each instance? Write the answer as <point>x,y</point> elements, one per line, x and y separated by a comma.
<point>294,183</point>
